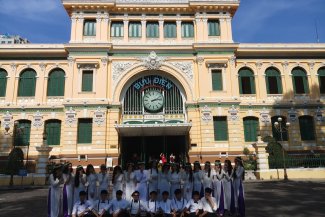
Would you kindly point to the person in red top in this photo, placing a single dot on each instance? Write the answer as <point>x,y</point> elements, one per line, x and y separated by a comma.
<point>163,158</point>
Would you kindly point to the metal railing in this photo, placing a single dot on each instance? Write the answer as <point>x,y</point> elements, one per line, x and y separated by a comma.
<point>303,161</point>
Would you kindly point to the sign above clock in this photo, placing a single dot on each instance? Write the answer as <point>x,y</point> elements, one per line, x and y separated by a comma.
<point>156,81</point>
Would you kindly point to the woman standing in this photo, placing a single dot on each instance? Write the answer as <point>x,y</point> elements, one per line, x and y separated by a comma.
<point>175,179</point>
<point>153,176</point>
<point>80,180</point>
<point>92,182</point>
<point>141,178</point>
<point>53,203</point>
<point>218,188</point>
<point>164,180</point>
<point>239,173</point>
<point>68,197</point>
<point>129,181</point>
<point>197,178</point>
<point>228,187</point>
<point>103,179</point>
<point>207,175</point>
<point>187,180</point>
<point>117,180</point>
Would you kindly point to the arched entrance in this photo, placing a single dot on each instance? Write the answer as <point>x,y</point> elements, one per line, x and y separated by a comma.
<point>153,119</point>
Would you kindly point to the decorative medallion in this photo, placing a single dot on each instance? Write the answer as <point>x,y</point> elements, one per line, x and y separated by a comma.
<point>38,119</point>
<point>70,117</point>
<point>319,115</point>
<point>99,116</point>
<point>265,117</point>
<point>152,62</point>
<point>292,113</point>
<point>185,67</point>
<point>7,120</point>
<point>206,114</point>
<point>233,113</point>
<point>120,68</point>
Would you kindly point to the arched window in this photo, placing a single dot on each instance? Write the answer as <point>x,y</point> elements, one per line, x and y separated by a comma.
<point>300,81</point>
<point>22,133</point>
<point>3,82</point>
<point>251,127</point>
<point>321,79</point>
<point>27,83</point>
<point>276,133</point>
<point>246,81</point>
<point>53,131</point>
<point>56,82</point>
<point>273,81</point>
<point>307,128</point>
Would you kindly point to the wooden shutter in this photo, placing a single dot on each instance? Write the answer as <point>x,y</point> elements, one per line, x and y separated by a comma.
<point>87,81</point>
<point>251,126</point>
<point>90,28</point>
<point>53,130</point>
<point>152,30</point>
<point>85,131</point>
<point>135,29</point>
<point>216,80</point>
<point>187,30</point>
<point>27,83</point>
<point>300,81</point>
<point>273,81</point>
<point>246,81</point>
<point>56,83</point>
<point>220,128</point>
<point>170,30</point>
<point>307,128</point>
<point>117,29</point>
<point>3,82</point>
<point>214,29</point>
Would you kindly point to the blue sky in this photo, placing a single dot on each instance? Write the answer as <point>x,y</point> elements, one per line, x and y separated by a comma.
<point>256,21</point>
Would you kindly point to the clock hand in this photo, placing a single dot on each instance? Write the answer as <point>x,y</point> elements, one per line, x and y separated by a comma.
<point>155,99</point>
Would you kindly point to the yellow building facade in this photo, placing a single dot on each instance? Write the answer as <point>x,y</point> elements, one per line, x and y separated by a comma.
<point>148,77</point>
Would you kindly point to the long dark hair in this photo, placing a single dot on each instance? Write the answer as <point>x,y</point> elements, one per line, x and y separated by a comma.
<point>76,180</point>
<point>90,169</point>
<point>229,166</point>
<point>190,171</point>
<point>115,170</point>
<point>54,171</point>
<point>208,164</point>
<point>66,169</point>
<point>174,170</point>
<point>240,162</point>
<point>155,167</point>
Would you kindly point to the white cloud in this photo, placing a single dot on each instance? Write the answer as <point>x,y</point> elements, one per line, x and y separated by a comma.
<point>28,9</point>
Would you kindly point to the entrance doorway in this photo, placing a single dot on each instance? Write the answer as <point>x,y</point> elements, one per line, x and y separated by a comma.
<point>147,148</point>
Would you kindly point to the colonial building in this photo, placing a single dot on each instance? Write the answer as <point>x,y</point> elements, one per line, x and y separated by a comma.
<point>158,76</point>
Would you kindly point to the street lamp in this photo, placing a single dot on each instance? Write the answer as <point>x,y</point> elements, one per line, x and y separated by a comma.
<point>282,128</point>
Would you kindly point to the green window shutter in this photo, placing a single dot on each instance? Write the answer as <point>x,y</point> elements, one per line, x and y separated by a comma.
<point>53,131</point>
<point>214,28</point>
<point>27,83</point>
<point>117,29</point>
<point>22,138</point>
<point>3,82</point>
<point>246,81</point>
<point>251,126</point>
<point>187,30</point>
<point>135,29</point>
<point>220,128</point>
<point>152,30</point>
<point>216,80</point>
<point>252,83</point>
<point>170,30</point>
<point>85,131</point>
<point>321,80</point>
<point>272,75</point>
<point>299,76</point>
<point>90,28</point>
<point>307,128</point>
<point>87,81</point>
<point>56,83</point>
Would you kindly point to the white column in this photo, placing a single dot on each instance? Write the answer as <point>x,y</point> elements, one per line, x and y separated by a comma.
<point>98,28</point>
<point>143,29</point>
<point>126,28</point>
<point>161,28</point>
<point>41,163</point>
<point>73,27</point>
<point>179,30</point>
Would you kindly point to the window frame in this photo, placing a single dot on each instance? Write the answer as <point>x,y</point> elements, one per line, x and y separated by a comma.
<point>249,133</point>
<point>148,33</point>
<point>57,84</point>
<point>311,127</point>
<point>82,136</point>
<point>223,136</point>
<point>217,30</point>
<point>168,36</point>
<point>50,137</point>
<point>183,30</point>
<point>304,80</point>
<point>275,74</point>
<point>86,32</point>
<point>3,82</point>
<point>121,28</point>
<point>251,78</point>
<point>22,85</point>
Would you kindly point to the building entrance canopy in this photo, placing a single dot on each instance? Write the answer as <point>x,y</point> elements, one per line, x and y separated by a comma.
<point>163,129</point>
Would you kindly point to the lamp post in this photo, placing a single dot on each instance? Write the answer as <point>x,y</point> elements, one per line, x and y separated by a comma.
<point>282,127</point>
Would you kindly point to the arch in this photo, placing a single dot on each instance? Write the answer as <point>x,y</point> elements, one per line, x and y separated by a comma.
<point>53,131</point>
<point>299,80</point>
<point>246,81</point>
<point>3,82</point>
<point>307,128</point>
<point>27,83</point>
<point>138,71</point>
<point>22,137</point>
<point>251,128</point>
<point>275,132</point>
<point>273,81</point>
<point>56,82</point>
<point>321,79</point>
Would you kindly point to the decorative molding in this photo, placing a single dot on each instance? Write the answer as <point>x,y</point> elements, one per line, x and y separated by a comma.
<point>38,119</point>
<point>104,60</point>
<point>88,66</point>
<point>186,67</point>
<point>42,66</point>
<point>152,62</point>
<point>217,65</point>
<point>259,65</point>
<point>70,117</point>
<point>99,116</point>
<point>292,113</point>
<point>233,113</point>
<point>232,60</point>
<point>13,66</point>
<point>7,119</point>
<point>120,68</point>
<point>265,116</point>
<point>319,115</point>
<point>71,61</point>
<point>285,64</point>
<point>199,60</point>
<point>206,114</point>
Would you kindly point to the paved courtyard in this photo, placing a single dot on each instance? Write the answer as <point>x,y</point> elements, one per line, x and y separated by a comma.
<point>263,199</point>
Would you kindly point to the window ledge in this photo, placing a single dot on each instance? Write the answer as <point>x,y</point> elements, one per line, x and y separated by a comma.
<point>85,92</point>
<point>271,94</point>
<point>83,144</point>
<point>218,91</point>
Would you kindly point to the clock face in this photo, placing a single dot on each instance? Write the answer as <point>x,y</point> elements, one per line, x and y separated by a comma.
<point>153,100</point>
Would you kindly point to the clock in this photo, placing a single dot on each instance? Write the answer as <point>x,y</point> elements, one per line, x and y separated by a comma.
<point>153,100</point>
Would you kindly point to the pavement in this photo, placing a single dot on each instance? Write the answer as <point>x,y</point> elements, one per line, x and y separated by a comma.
<point>263,199</point>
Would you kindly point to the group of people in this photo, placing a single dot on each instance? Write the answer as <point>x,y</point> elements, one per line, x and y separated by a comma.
<point>172,191</point>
